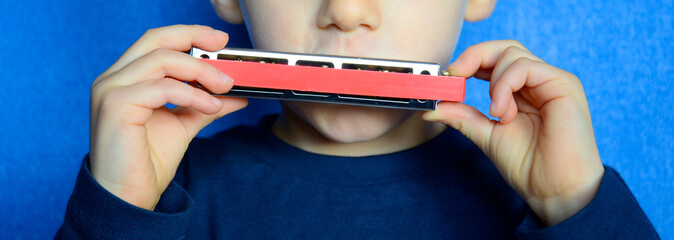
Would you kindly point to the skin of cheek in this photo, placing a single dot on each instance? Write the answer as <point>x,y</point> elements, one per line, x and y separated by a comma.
<point>292,27</point>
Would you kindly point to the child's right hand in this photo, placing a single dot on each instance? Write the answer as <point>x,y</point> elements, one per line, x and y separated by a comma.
<point>136,142</point>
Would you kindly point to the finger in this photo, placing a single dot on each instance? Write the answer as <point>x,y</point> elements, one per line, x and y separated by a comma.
<point>512,80</point>
<point>163,62</point>
<point>194,121</point>
<point>511,113</point>
<point>159,64</point>
<point>544,83</point>
<point>518,105</point>
<point>483,74</point>
<point>482,57</point>
<point>468,120</point>
<point>177,37</point>
<point>155,94</point>
<point>509,55</point>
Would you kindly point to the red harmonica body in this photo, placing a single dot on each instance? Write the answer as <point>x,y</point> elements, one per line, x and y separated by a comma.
<point>317,77</point>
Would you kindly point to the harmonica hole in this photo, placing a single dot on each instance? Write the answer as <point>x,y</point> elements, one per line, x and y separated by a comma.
<point>241,89</point>
<point>376,68</point>
<point>425,72</point>
<point>315,64</point>
<point>205,56</point>
<point>374,98</point>
<point>253,59</point>
<point>309,94</point>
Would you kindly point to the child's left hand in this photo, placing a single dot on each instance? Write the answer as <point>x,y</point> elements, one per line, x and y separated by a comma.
<point>544,144</point>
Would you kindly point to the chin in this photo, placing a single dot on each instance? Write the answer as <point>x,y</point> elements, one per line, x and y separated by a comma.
<point>348,124</point>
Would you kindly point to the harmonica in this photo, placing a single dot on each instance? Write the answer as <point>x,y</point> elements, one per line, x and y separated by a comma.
<point>335,79</point>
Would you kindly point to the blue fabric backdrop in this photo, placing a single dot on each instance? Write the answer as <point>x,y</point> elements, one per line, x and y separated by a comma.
<point>50,52</point>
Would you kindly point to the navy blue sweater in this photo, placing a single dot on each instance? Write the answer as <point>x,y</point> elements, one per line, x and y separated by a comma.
<point>246,183</point>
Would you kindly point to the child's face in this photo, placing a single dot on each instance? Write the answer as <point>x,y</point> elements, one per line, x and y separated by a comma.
<point>421,30</point>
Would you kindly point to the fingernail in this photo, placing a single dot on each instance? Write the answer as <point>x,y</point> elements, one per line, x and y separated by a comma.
<point>218,32</point>
<point>217,101</point>
<point>220,35</point>
<point>454,64</point>
<point>429,116</point>
<point>492,108</point>
<point>227,79</point>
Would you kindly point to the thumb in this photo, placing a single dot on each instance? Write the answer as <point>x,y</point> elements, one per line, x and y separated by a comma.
<point>466,119</point>
<point>193,121</point>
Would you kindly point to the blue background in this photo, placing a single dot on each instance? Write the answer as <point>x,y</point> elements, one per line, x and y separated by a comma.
<point>50,52</point>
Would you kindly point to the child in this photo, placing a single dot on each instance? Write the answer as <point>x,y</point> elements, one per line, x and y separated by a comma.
<point>337,171</point>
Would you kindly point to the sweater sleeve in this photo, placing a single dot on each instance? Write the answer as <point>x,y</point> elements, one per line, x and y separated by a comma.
<point>94,213</point>
<point>613,214</point>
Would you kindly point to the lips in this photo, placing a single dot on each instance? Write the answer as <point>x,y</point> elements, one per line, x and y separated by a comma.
<point>359,43</point>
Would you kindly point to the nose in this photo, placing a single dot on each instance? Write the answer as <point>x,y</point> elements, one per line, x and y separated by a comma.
<point>348,15</point>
